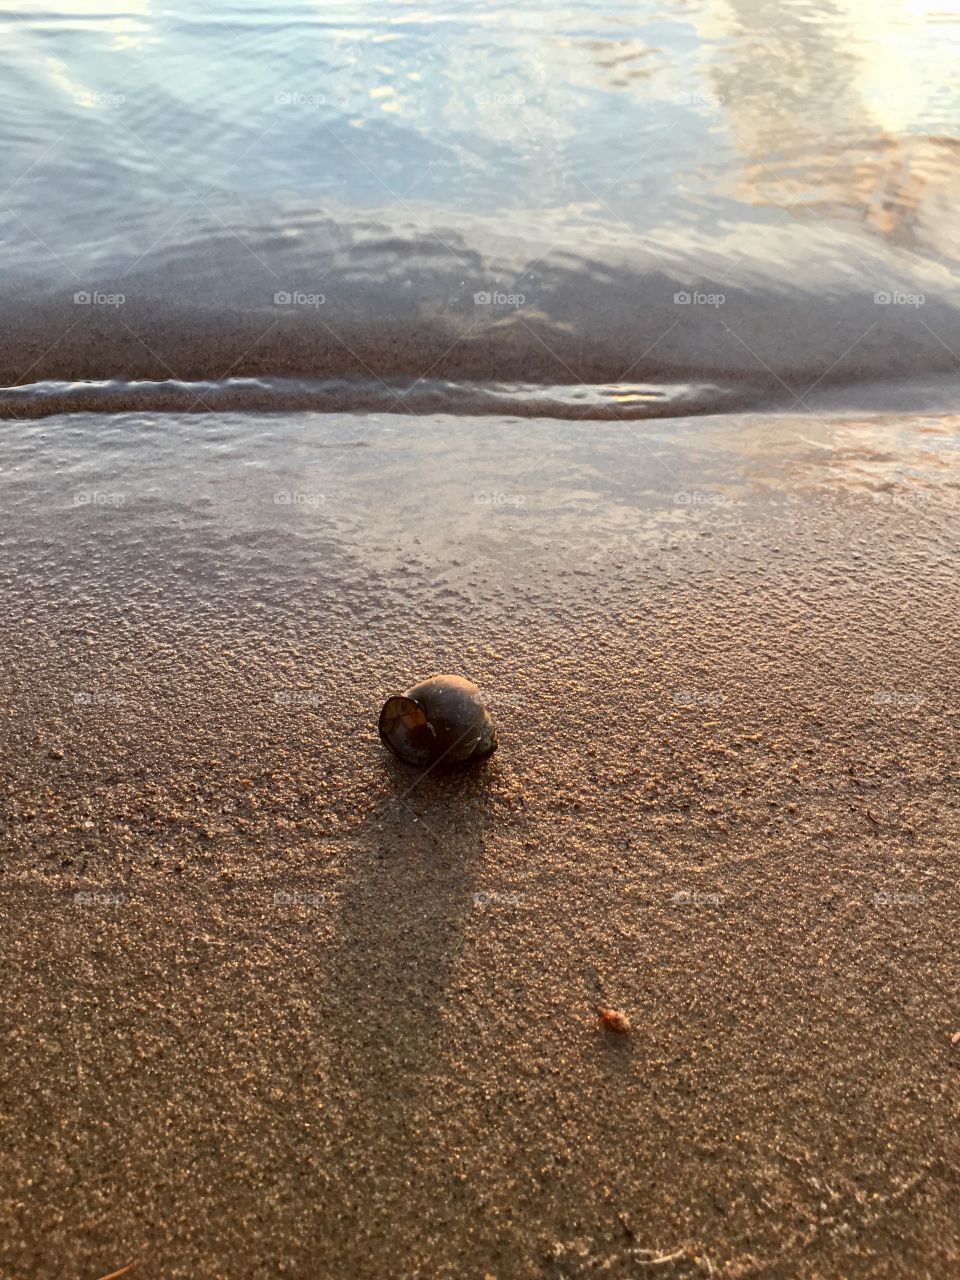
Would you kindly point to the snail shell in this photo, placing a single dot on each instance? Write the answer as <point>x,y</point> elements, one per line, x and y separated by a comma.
<point>442,718</point>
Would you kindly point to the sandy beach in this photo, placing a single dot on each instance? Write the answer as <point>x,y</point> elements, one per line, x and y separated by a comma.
<point>278,1005</point>
<point>605,355</point>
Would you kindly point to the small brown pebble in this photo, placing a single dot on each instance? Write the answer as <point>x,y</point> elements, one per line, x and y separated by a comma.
<point>55,753</point>
<point>955,1038</point>
<point>613,1019</point>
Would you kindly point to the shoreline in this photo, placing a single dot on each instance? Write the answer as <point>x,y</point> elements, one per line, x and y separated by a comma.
<point>424,396</point>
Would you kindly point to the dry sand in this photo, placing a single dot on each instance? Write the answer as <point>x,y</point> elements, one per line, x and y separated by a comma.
<point>314,1015</point>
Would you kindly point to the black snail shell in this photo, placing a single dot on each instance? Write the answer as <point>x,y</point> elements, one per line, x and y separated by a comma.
<point>440,719</point>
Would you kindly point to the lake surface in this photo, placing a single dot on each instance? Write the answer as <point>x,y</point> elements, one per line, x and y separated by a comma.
<point>596,210</point>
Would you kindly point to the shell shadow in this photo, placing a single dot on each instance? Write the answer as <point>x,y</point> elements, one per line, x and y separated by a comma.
<point>404,907</point>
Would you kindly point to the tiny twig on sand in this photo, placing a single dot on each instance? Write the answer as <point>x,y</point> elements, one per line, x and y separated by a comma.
<point>123,1271</point>
<point>645,1262</point>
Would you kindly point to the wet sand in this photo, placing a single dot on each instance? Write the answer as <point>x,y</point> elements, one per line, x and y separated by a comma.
<point>279,1006</point>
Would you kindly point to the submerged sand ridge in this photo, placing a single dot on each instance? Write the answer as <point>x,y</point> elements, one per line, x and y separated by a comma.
<point>783,309</point>
<point>281,1005</point>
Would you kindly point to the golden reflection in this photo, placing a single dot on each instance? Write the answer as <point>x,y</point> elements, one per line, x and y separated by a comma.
<point>623,395</point>
<point>823,114</point>
<point>60,74</point>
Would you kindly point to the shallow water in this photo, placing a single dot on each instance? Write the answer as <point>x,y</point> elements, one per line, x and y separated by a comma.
<point>684,206</point>
<point>338,511</point>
